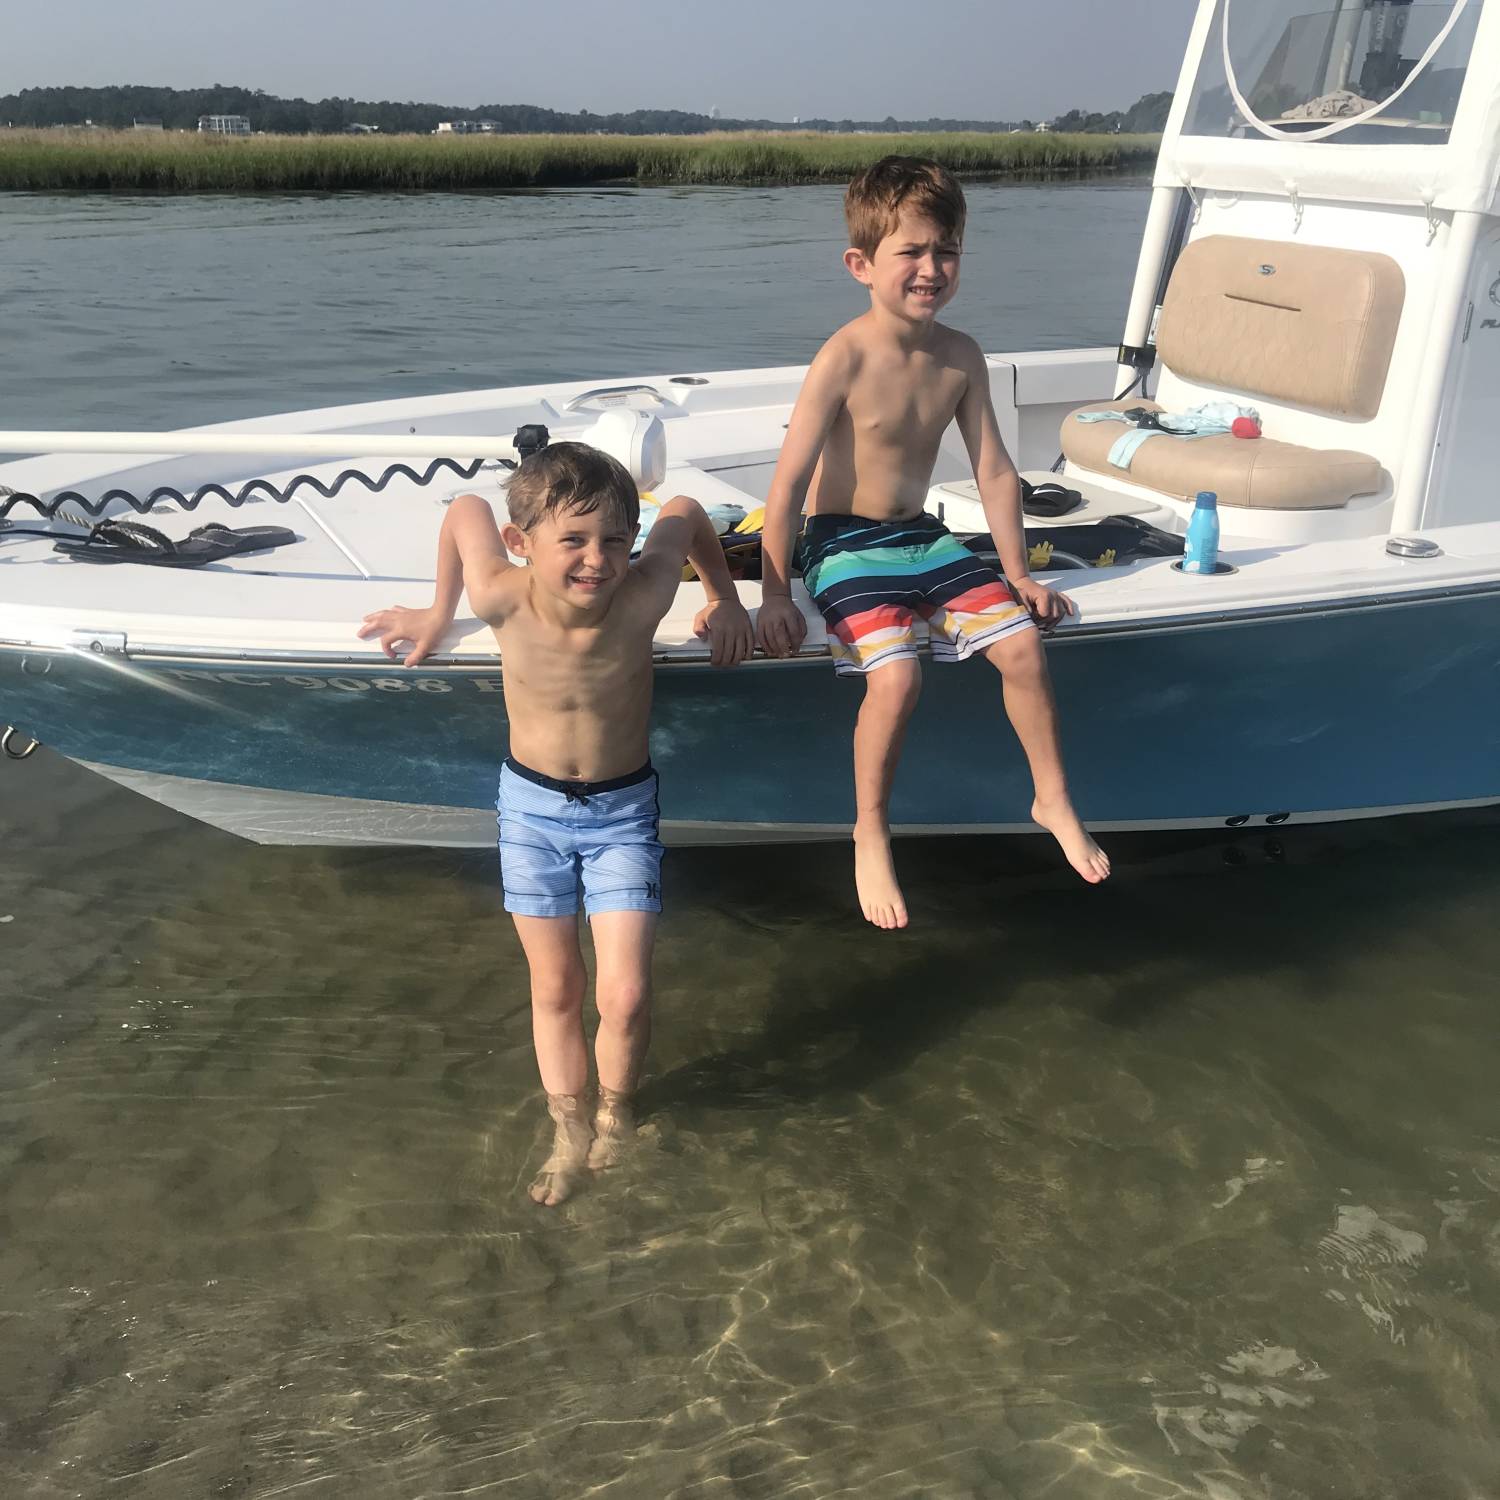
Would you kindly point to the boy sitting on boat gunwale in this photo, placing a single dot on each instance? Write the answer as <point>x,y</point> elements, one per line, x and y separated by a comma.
<point>860,450</point>
<point>578,795</point>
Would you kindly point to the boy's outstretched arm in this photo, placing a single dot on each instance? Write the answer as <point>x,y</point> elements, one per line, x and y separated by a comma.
<point>472,557</point>
<point>683,531</point>
<point>1000,492</point>
<point>780,627</point>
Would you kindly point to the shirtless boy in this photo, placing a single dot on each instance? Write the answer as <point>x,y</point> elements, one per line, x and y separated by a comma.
<point>578,795</point>
<point>859,451</point>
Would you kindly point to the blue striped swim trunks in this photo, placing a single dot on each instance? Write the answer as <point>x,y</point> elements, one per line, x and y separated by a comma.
<point>557,837</point>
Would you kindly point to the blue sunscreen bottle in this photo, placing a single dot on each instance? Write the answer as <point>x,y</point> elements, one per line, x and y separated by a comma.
<point>1201,554</point>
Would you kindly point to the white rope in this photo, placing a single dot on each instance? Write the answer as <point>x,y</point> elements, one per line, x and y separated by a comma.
<point>1336,126</point>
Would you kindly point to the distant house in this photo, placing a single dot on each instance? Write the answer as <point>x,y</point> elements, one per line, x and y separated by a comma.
<point>355,128</point>
<point>223,125</point>
<point>145,125</point>
<point>467,127</point>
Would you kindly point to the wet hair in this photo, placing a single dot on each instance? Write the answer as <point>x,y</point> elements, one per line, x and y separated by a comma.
<point>875,198</point>
<point>575,478</point>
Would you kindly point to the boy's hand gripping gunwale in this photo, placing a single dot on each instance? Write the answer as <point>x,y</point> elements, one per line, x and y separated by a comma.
<point>683,532</point>
<point>471,559</point>
<point>780,627</point>
<point>1000,492</point>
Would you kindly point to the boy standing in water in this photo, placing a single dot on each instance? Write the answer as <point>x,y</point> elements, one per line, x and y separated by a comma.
<point>578,795</point>
<point>862,442</point>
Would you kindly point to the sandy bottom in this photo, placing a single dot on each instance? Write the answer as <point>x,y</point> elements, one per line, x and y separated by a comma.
<point>1185,1187</point>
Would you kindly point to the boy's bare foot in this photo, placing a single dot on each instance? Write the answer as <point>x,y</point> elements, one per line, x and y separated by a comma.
<point>1059,819</point>
<point>554,1184</point>
<point>880,896</point>
<point>614,1129</point>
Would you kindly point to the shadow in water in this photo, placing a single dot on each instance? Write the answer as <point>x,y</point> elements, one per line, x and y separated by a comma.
<point>1181,913</point>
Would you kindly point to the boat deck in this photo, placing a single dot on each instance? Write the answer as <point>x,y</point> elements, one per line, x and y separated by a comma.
<point>361,551</point>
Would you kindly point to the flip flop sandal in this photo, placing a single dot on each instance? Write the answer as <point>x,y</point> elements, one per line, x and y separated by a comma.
<point>132,541</point>
<point>1048,499</point>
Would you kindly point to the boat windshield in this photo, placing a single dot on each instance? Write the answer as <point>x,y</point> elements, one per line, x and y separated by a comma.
<point>1307,72</point>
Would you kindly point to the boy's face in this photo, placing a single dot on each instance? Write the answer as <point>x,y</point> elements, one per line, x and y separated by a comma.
<point>580,558</point>
<point>914,270</point>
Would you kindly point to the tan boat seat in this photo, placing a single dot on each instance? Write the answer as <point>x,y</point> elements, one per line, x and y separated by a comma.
<point>1258,473</point>
<point>1303,325</point>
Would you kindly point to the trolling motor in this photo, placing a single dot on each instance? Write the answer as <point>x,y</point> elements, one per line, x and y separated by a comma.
<point>530,439</point>
<point>636,439</point>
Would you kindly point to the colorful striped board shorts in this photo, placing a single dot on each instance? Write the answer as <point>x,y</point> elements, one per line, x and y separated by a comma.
<point>871,579</point>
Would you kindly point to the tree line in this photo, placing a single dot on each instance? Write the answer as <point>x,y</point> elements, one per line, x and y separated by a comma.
<point>1147,115</point>
<point>120,106</point>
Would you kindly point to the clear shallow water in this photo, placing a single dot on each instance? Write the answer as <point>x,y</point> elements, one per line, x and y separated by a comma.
<point>1186,1187</point>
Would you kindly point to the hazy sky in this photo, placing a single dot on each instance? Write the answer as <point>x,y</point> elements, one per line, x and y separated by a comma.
<point>973,59</point>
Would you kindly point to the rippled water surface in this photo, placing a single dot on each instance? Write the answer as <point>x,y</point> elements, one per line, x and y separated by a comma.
<point>1185,1187</point>
<point>174,310</point>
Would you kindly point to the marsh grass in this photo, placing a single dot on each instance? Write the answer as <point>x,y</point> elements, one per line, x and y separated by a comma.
<point>138,161</point>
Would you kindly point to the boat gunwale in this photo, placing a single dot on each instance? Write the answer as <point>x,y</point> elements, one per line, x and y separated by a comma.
<point>449,664</point>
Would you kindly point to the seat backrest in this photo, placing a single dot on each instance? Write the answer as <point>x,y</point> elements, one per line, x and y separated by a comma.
<point>1305,324</point>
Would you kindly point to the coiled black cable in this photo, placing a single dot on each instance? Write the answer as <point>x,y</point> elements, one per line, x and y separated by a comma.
<point>10,499</point>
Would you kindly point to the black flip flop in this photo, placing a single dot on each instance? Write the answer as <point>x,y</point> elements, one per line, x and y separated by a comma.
<point>1048,498</point>
<point>132,541</point>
